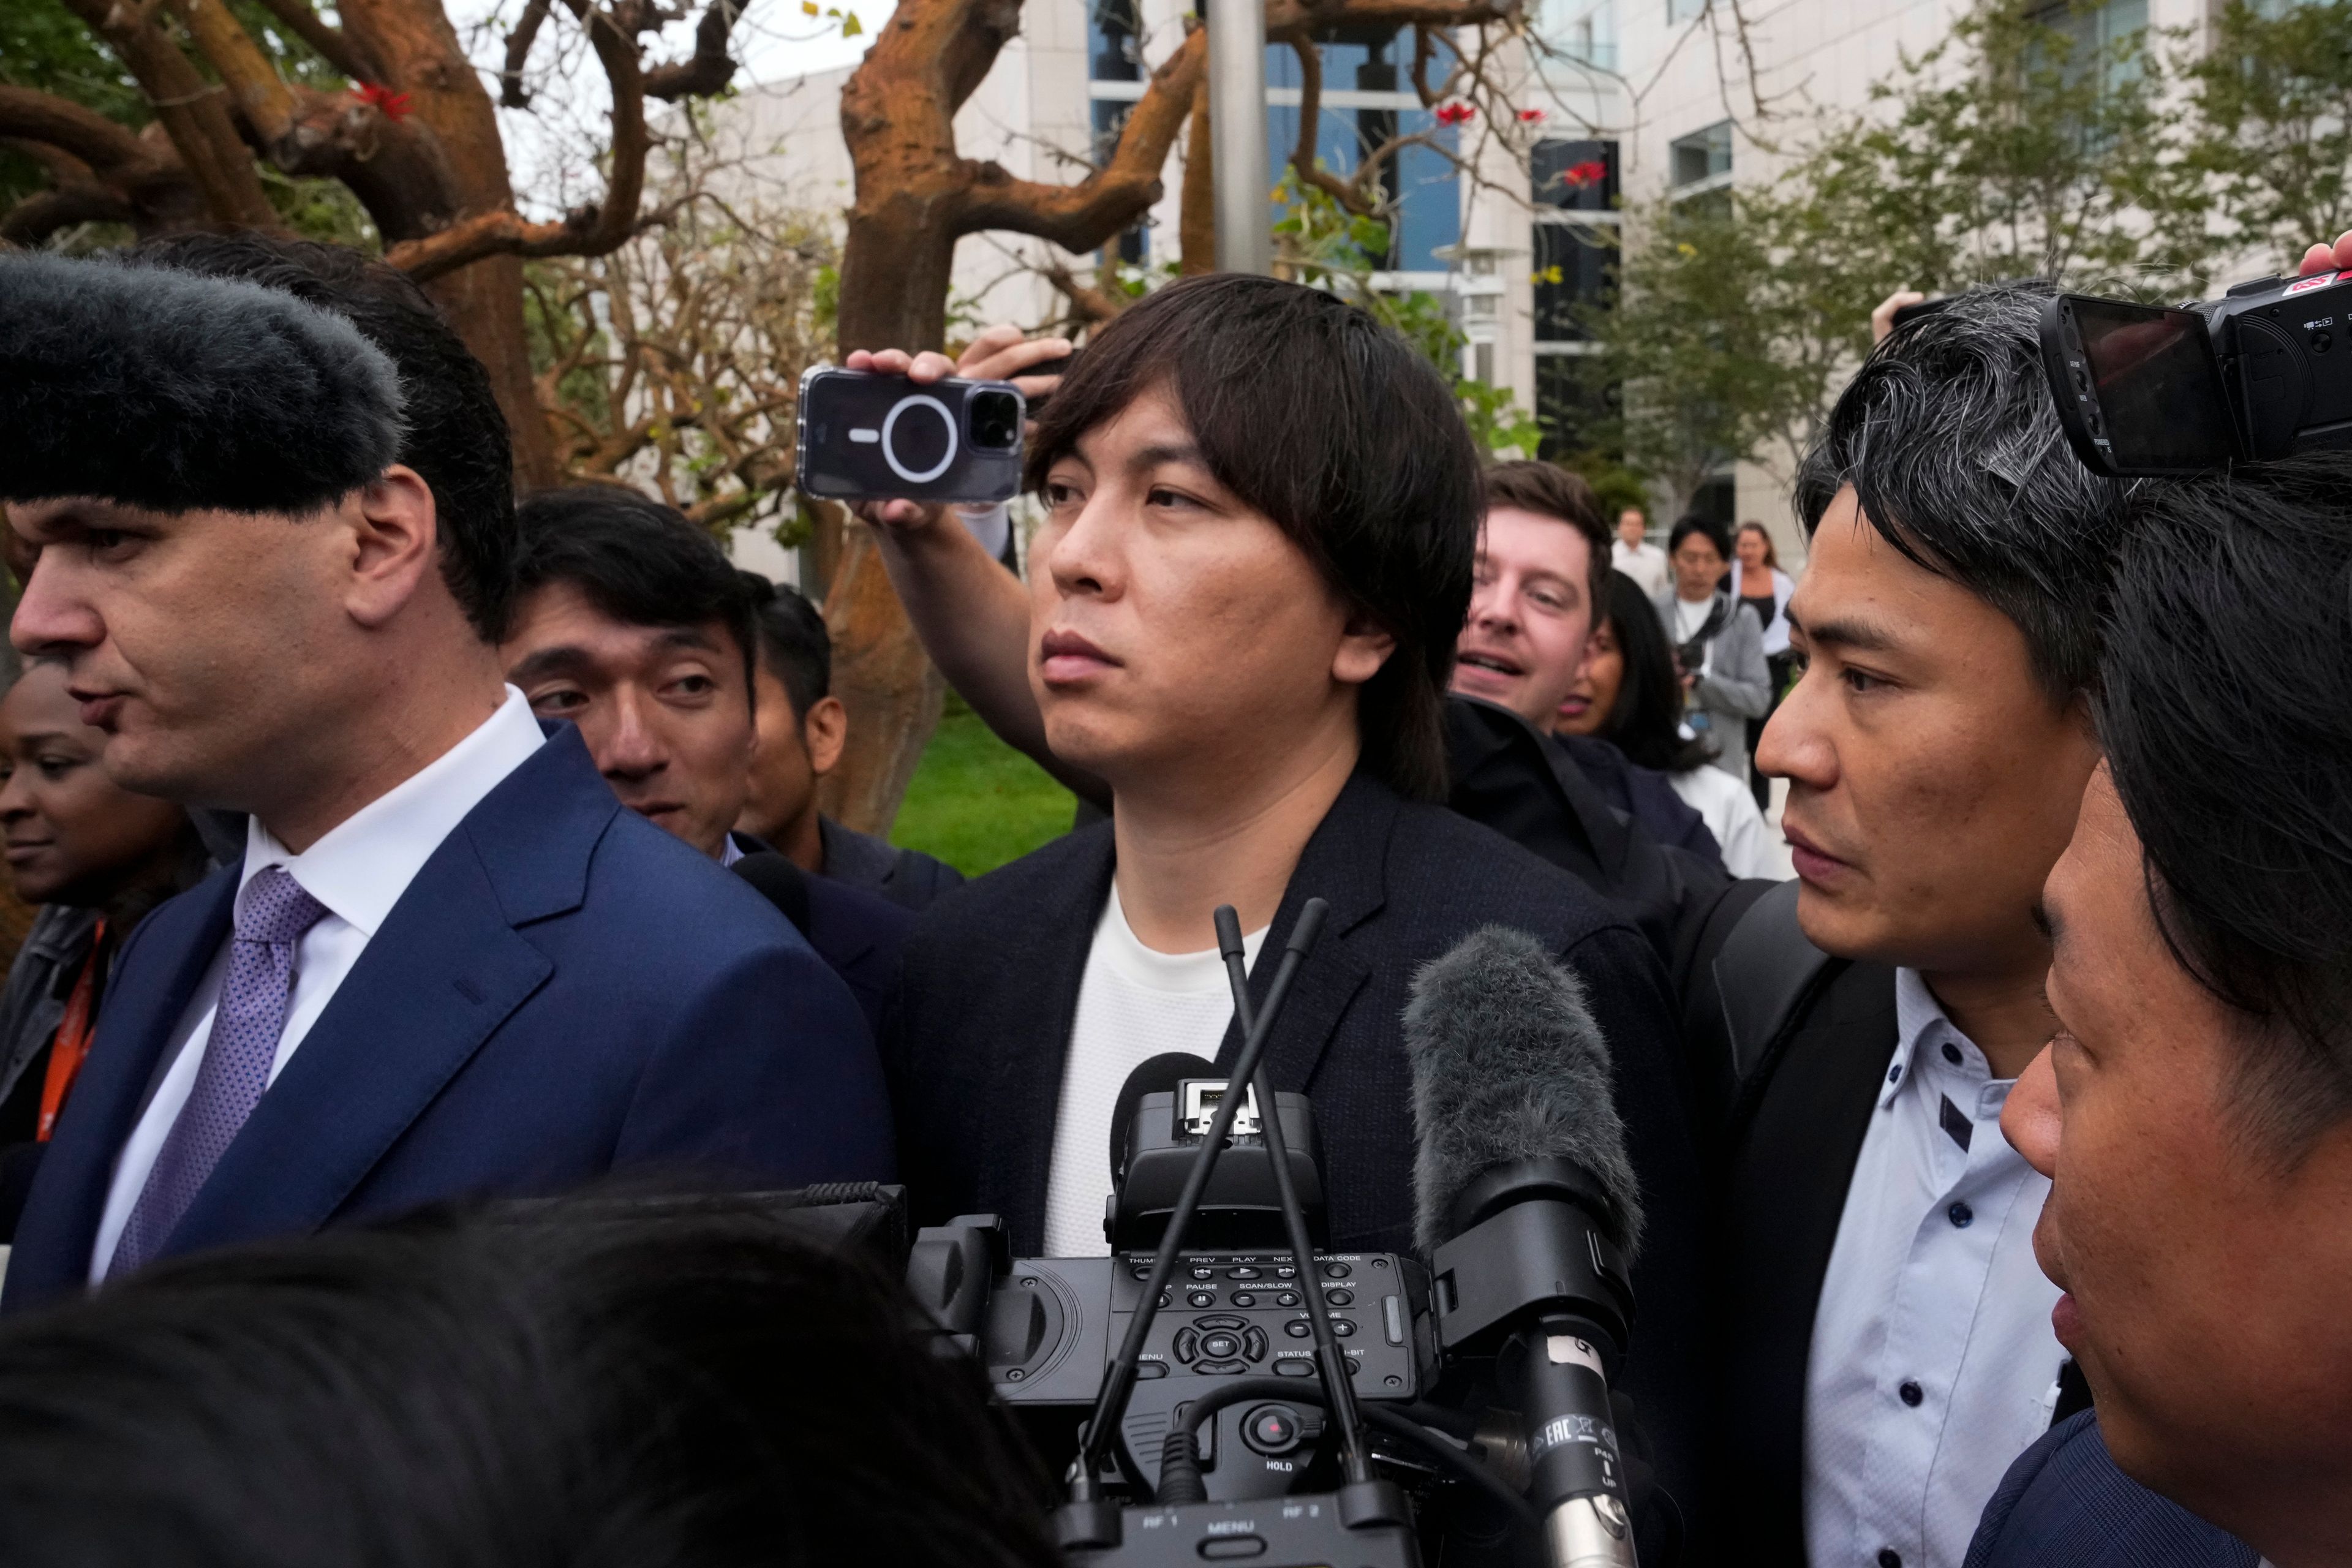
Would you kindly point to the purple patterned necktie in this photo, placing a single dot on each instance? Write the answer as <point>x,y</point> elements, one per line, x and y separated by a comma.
<point>272,913</point>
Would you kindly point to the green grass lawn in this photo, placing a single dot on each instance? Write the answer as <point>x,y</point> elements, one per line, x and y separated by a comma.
<point>975,802</point>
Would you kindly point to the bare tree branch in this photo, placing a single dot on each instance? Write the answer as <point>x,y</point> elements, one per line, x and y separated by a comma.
<point>1077,218</point>
<point>709,69</point>
<point>262,98</point>
<point>1304,163</point>
<point>73,200</point>
<point>1091,304</point>
<point>194,112</point>
<point>331,43</point>
<point>511,91</point>
<point>96,141</point>
<point>589,231</point>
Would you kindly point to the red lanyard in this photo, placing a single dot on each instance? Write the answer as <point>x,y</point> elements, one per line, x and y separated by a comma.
<point>73,1036</point>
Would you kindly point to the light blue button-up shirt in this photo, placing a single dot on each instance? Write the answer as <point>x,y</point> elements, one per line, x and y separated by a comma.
<point>1933,1364</point>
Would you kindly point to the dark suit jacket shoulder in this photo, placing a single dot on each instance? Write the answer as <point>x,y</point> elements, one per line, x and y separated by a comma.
<point>563,989</point>
<point>989,988</point>
<point>2064,1502</point>
<point>908,878</point>
<point>1644,794</point>
<point>859,935</point>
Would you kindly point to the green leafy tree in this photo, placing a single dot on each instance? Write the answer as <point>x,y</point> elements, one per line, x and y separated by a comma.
<point>1703,356</point>
<point>1318,241</point>
<point>2022,145</point>
<point>2271,100</point>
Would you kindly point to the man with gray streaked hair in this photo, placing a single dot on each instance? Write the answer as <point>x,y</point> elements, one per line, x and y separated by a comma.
<point>1893,1350</point>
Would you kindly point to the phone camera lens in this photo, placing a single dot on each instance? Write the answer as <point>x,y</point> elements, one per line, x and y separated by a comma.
<point>995,420</point>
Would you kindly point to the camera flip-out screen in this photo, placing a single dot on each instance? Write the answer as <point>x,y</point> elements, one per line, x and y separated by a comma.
<point>2157,386</point>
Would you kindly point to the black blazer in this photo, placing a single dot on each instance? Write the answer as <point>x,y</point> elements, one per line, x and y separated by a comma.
<point>857,934</point>
<point>989,990</point>
<point>1788,1162</point>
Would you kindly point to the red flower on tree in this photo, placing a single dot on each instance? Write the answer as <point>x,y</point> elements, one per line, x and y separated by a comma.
<point>1530,116</point>
<point>1578,175</point>
<point>393,106</point>
<point>1454,113</point>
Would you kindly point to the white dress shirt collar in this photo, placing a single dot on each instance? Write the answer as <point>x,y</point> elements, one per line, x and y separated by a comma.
<point>361,866</point>
<point>1923,1028</point>
<point>1932,1364</point>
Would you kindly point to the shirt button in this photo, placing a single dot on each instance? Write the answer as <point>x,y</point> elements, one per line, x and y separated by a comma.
<point>1895,1072</point>
<point>1911,1393</point>
<point>1951,1053</point>
<point>1959,1215</point>
<point>1889,1558</point>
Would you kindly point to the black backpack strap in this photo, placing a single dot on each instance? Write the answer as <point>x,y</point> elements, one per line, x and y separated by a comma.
<point>1762,975</point>
<point>1706,1040</point>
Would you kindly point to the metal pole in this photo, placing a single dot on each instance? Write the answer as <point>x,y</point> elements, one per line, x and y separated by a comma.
<point>1237,135</point>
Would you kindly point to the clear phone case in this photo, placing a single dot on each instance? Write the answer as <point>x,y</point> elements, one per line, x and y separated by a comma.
<point>869,436</point>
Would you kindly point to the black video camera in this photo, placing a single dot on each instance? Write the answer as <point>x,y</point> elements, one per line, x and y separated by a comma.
<point>1048,1329</point>
<point>2264,371</point>
<point>1222,1383</point>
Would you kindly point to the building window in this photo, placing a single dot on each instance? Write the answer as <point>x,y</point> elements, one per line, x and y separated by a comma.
<point>1114,41</point>
<point>1575,176</point>
<point>1583,30</point>
<point>1702,155</point>
<point>1571,410</point>
<point>1685,10</point>
<point>1571,276</point>
<point>1365,104</point>
<point>2097,37</point>
<point>1717,499</point>
<point>1109,119</point>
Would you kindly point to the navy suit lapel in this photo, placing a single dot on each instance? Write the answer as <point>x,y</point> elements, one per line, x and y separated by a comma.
<point>445,969</point>
<point>1345,863</point>
<point>163,962</point>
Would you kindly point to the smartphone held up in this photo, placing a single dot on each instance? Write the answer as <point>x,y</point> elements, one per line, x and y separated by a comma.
<point>866,435</point>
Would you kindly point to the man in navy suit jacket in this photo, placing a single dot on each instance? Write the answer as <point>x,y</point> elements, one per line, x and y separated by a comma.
<point>631,622</point>
<point>449,962</point>
<point>2064,1501</point>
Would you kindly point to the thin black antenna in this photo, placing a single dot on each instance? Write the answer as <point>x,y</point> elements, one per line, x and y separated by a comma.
<point>1330,1361</point>
<point>1110,1404</point>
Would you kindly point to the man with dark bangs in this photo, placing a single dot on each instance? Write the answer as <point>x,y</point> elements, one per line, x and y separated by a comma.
<point>1262,510</point>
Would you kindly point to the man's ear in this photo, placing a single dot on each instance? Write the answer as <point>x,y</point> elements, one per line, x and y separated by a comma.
<point>394,543</point>
<point>824,729</point>
<point>1364,647</point>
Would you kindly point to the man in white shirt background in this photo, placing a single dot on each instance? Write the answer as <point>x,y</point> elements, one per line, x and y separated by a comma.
<point>1887,1339</point>
<point>1634,556</point>
<point>448,962</point>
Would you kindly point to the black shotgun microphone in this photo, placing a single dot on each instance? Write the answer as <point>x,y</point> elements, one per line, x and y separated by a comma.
<point>1528,1207</point>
